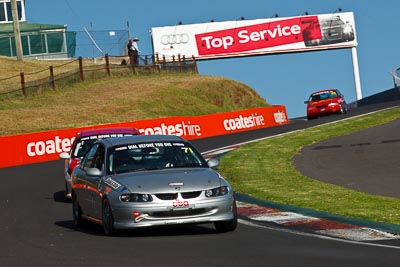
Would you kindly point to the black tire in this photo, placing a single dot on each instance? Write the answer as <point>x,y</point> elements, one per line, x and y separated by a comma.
<point>107,218</point>
<point>66,198</point>
<point>345,109</point>
<point>76,211</point>
<point>227,226</point>
<point>341,110</point>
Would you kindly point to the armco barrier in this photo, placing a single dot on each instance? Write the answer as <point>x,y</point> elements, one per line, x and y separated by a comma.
<point>45,146</point>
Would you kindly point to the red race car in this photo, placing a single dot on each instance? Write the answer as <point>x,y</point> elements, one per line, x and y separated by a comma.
<point>82,142</point>
<point>325,102</point>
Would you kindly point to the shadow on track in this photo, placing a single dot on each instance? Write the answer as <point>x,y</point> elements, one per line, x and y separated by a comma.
<point>155,231</point>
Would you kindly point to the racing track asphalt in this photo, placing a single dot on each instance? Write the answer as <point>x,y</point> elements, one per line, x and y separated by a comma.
<point>36,229</point>
<point>366,161</point>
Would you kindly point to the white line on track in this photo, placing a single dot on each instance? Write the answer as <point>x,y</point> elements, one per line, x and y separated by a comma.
<point>245,222</point>
<point>269,137</point>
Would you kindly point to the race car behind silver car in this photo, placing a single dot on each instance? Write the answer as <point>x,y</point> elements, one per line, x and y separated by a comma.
<point>83,140</point>
<point>150,180</point>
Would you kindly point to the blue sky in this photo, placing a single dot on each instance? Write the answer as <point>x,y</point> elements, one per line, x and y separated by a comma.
<point>285,79</point>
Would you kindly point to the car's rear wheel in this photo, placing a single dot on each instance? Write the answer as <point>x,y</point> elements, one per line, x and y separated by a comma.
<point>76,211</point>
<point>230,225</point>
<point>107,218</point>
<point>343,109</point>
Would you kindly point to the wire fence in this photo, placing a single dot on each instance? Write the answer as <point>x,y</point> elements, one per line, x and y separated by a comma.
<point>70,44</point>
<point>77,70</point>
<point>93,44</point>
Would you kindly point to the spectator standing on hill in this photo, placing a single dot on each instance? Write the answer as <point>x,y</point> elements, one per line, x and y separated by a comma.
<point>130,50</point>
<point>136,50</point>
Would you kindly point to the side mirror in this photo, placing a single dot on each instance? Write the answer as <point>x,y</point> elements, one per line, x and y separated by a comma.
<point>94,172</point>
<point>212,163</point>
<point>306,102</point>
<point>64,155</point>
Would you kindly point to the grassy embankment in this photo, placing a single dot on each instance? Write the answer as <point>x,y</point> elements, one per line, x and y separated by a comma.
<point>265,170</point>
<point>267,173</point>
<point>131,98</point>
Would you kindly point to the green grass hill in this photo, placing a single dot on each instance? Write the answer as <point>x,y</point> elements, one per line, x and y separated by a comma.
<point>119,99</point>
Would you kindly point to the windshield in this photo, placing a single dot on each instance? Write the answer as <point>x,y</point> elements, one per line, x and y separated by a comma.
<point>323,95</point>
<point>331,23</point>
<point>83,144</point>
<point>153,156</point>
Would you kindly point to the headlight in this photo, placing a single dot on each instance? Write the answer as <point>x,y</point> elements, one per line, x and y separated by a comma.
<point>216,192</point>
<point>333,104</point>
<point>136,198</point>
<point>347,29</point>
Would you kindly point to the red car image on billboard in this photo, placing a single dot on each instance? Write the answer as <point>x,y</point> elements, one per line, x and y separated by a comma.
<point>330,30</point>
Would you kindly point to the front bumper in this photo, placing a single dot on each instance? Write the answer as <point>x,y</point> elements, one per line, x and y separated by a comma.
<point>134,215</point>
<point>320,111</point>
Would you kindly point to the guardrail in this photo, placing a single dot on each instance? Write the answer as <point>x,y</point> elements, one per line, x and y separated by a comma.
<point>381,97</point>
<point>45,146</point>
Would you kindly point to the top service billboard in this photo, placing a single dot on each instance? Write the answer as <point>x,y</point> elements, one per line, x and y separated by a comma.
<point>254,37</point>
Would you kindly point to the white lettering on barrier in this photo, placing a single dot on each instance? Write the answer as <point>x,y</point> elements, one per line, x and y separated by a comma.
<point>180,129</point>
<point>40,148</point>
<point>280,117</point>
<point>243,122</point>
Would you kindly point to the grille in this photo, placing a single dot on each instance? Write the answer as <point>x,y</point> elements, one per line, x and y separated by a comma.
<point>323,106</point>
<point>194,194</point>
<point>178,213</point>
<point>173,196</point>
<point>334,34</point>
<point>168,196</point>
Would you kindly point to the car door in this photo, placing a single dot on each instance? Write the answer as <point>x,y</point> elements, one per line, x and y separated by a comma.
<point>94,183</point>
<point>84,183</point>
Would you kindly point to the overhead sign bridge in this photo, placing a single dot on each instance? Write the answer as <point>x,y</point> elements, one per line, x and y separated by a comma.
<point>259,37</point>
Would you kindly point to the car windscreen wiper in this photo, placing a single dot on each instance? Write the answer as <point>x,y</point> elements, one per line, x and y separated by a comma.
<point>186,165</point>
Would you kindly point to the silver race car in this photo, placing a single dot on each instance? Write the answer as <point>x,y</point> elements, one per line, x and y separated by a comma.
<point>150,180</point>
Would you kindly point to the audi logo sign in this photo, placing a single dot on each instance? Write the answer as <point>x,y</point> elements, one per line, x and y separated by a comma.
<point>171,39</point>
<point>256,37</point>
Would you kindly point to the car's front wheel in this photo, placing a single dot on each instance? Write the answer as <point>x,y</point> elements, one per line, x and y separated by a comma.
<point>107,218</point>
<point>67,195</point>
<point>230,225</point>
<point>76,211</point>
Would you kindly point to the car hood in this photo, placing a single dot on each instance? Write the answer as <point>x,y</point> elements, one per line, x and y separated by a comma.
<point>169,180</point>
